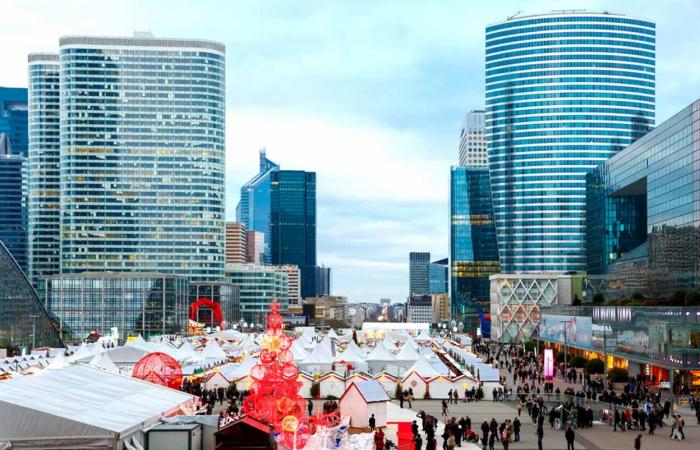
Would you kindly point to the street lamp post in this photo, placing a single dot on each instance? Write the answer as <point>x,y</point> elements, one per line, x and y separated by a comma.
<point>33,316</point>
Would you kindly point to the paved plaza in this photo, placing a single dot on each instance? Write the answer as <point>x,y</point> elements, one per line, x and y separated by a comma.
<point>599,437</point>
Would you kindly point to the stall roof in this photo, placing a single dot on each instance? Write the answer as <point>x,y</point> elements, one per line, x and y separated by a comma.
<point>80,402</point>
<point>370,390</point>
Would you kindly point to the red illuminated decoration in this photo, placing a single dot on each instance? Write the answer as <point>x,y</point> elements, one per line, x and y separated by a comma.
<point>274,394</point>
<point>215,309</point>
<point>159,368</point>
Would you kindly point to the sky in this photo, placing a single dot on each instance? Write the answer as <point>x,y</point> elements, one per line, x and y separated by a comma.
<point>368,94</point>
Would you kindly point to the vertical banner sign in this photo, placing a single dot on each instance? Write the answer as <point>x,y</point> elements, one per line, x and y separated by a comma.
<point>548,364</point>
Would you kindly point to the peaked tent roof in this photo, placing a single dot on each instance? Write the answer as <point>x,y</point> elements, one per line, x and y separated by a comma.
<point>102,361</point>
<point>243,368</point>
<point>299,351</point>
<point>214,351</point>
<point>319,356</point>
<point>423,336</point>
<point>370,390</point>
<point>352,353</point>
<point>407,353</point>
<point>388,343</point>
<point>380,353</point>
<point>411,342</point>
<point>59,362</point>
<point>332,334</point>
<point>328,344</point>
<point>423,368</point>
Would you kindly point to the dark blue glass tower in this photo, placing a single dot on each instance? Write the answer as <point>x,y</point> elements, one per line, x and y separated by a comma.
<point>473,249</point>
<point>13,171</point>
<point>254,208</point>
<point>293,224</point>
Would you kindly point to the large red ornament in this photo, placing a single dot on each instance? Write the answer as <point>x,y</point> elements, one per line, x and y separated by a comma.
<point>159,368</point>
<point>215,309</point>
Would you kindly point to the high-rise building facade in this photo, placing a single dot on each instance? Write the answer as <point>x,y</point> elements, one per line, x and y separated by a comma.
<point>293,224</point>
<point>13,172</point>
<point>293,283</point>
<point>472,140</point>
<point>236,243</point>
<point>258,287</point>
<point>255,247</point>
<point>418,273</point>
<point>44,151</point>
<point>141,164</point>
<point>253,210</point>
<point>473,249</point>
<point>323,281</point>
<point>564,92</point>
<point>438,276</point>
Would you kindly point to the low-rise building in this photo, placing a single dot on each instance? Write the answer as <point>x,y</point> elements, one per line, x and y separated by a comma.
<point>328,307</point>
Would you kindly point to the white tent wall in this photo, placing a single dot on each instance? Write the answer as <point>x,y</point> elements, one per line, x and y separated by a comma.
<point>332,386</point>
<point>216,380</point>
<point>379,411</point>
<point>352,405</point>
<point>462,384</point>
<point>315,368</point>
<point>305,388</point>
<point>488,389</point>
<point>415,382</point>
<point>439,387</point>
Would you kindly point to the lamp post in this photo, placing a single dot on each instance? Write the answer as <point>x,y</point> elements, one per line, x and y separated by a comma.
<point>566,340</point>
<point>33,316</point>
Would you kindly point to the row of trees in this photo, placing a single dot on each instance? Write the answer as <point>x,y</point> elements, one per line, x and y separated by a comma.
<point>596,366</point>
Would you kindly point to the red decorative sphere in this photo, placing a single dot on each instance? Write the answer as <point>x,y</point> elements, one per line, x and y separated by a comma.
<point>159,368</point>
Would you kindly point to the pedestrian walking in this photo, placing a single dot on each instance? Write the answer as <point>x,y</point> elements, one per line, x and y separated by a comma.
<point>570,436</point>
<point>638,442</point>
<point>373,422</point>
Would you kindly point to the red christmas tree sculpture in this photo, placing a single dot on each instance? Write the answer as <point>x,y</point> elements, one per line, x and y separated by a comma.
<point>274,395</point>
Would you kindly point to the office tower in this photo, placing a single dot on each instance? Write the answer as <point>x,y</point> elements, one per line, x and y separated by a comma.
<point>473,249</point>
<point>419,279</point>
<point>437,276</point>
<point>294,283</point>
<point>13,172</point>
<point>255,247</point>
<point>323,281</point>
<point>642,234</point>
<point>253,210</point>
<point>259,286</point>
<point>564,92</point>
<point>141,164</point>
<point>236,243</point>
<point>472,140</point>
<point>419,309</point>
<point>44,166</point>
<point>293,224</point>
<point>23,320</point>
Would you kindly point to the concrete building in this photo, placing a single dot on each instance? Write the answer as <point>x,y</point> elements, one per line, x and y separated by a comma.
<point>472,140</point>
<point>255,247</point>
<point>441,308</point>
<point>294,282</point>
<point>329,307</point>
<point>516,300</point>
<point>419,309</point>
<point>236,243</point>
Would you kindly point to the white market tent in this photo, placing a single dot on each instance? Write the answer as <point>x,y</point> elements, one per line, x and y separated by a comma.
<point>353,355</point>
<point>82,407</point>
<point>319,361</point>
<point>423,368</point>
<point>362,399</point>
<point>331,334</point>
<point>407,355</point>
<point>298,351</point>
<point>424,336</point>
<point>378,358</point>
<point>329,345</point>
<point>102,361</point>
<point>214,352</point>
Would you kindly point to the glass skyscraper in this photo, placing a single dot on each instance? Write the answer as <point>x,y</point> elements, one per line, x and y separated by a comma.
<point>253,210</point>
<point>293,224</point>
<point>13,171</point>
<point>418,273</point>
<point>473,249</point>
<point>564,92</point>
<point>23,319</point>
<point>141,167</point>
<point>44,166</point>
<point>437,276</point>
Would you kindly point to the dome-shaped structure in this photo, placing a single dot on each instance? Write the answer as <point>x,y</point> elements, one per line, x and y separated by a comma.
<point>159,368</point>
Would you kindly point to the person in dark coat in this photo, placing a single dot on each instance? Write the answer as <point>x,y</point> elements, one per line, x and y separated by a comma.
<point>418,442</point>
<point>310,406</point>
<point>516,429</point>
<point>638,442</point>
<point>373,422</point>
<point>570,436</point>
<point>414,428</point>
<point>540,435</point>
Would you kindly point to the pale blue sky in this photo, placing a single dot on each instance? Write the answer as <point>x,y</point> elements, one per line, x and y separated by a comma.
<point>369,94</point>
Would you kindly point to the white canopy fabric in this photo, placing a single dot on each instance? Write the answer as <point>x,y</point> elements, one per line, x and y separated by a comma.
<point>331,334</point>
<point>319,356</point>
<point>213,351</point>
<point>423,368</point>
<point>372,391</point>
<point>388,344</point>
<point>59,362</point>
<point>81,407</point>
<point>228,335</point>
<point>411,342</point>
<point>407,353</point>
<point>328,345</point>
<point>299,351</point>
<point>423,336</point>
<point>102,361</point>
<point>243,368</point>
<point>380,353</point>
<point>352,353</point>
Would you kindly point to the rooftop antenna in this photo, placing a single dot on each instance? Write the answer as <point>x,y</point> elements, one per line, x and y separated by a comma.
<point>514,15</point>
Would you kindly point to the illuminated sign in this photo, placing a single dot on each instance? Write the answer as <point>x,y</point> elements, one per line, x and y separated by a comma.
<point>548,364</point>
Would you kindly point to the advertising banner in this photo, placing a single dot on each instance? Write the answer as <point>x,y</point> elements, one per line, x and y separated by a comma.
<point>577,330</point>
<point>548,364</point>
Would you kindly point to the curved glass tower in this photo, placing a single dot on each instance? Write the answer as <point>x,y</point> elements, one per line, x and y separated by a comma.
<point>44,162</point>
<point>142,155</point>
<point>564,91</point>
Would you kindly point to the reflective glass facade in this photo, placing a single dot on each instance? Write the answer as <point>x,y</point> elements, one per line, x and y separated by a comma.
<point>44,165</point>
<point>643,209</point>
<point>564,92</point>
<point>437,276</point>
<point>259,286</point>
<point>146,304</point>
<point>23,319</point>
<point>253,210</point>
<point>142,156</point>
<point>473,250</point>
<point>226,295</point>
<point>418,273</point>
<point>293,224</point>
<point>13,172</point>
